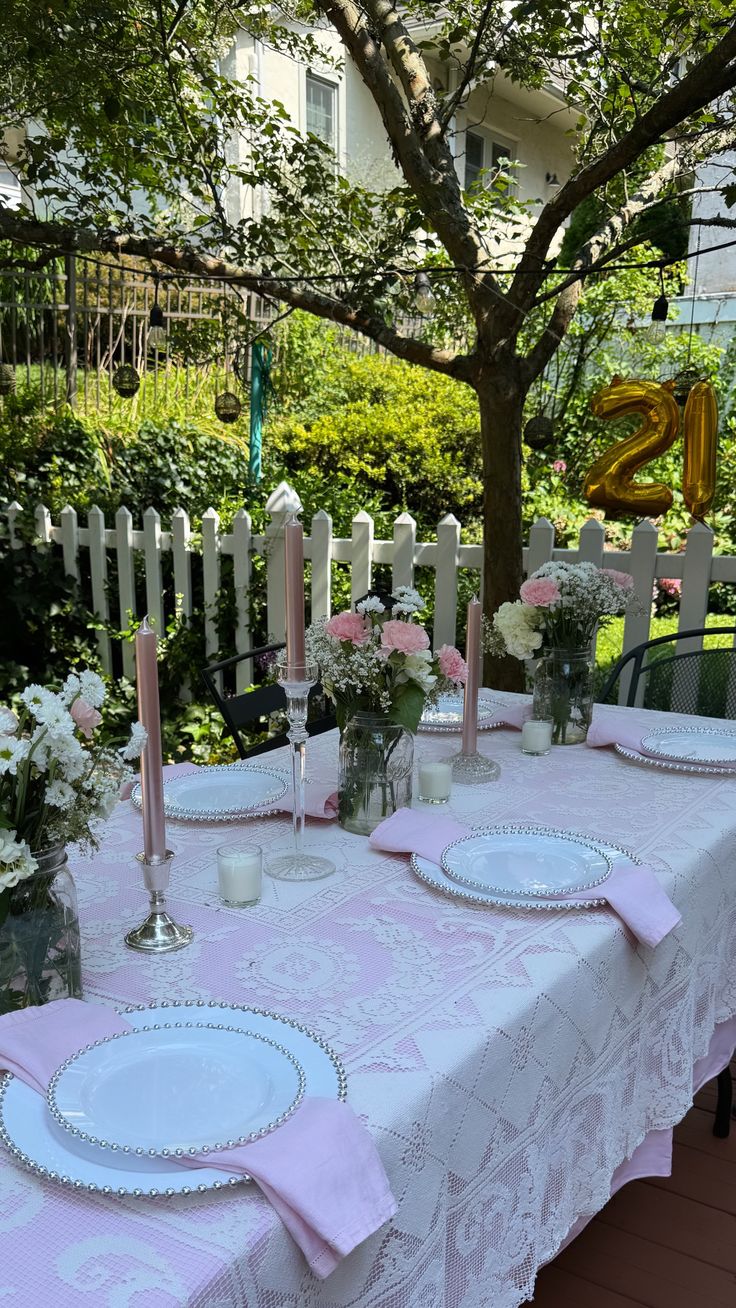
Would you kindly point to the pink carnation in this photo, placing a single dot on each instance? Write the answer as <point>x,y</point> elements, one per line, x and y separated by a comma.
<point>403,637</point>
<point>540,591</point>
<point>452,664</point>
<point>622,579</point>
<point>348,626</point>
<point>86,717</point>
<point>560,466</point>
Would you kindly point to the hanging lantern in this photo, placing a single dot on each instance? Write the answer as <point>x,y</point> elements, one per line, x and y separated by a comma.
<point>227,406</point>
<point>126,381</point>
<point>539,431</point>
<point>7,379</point>
<point>684,380</point>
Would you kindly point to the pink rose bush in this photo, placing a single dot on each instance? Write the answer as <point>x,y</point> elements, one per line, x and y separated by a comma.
<point>559,607</point>
<point>379,659</point>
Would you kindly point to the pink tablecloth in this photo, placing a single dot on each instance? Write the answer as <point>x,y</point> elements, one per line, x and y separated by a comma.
<point>505,1063</point>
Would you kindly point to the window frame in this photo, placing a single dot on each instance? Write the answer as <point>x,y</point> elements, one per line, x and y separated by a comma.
<point>491,142</point>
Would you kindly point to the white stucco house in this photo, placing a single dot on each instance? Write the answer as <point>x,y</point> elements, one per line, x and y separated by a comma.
<point>498,120</point>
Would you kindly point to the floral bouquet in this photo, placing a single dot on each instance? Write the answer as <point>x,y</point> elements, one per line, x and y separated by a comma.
<point>378,659</point>
<point>555,619</point>
<point>377,666</point>
<point>55,787</point>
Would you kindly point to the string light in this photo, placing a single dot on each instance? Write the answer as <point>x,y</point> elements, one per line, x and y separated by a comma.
<point>156,322</point>
<point>658,327</point>
<point>423,293</point>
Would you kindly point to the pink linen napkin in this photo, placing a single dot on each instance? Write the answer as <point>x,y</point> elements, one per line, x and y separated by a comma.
<point>511,715</point>
<point>320,797</point>
<point>631,889</point>
<point>624,729</point>
<point>320,1169</point>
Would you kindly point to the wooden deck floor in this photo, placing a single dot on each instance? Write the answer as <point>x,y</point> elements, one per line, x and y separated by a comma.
<point>660,1243</point>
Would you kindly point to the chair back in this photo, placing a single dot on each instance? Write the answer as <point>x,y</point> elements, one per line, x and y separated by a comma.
<point>681,680</point>
<point>247,714</point>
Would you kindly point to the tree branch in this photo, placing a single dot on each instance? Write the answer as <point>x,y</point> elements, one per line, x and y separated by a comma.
<point>186,259</point>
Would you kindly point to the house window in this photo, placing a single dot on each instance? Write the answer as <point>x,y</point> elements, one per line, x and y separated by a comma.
<point>484,152</point>
<point>322,109</point>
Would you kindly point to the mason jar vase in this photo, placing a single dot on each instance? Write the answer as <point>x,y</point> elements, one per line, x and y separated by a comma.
<point>39,936</point>
<point>563,693</point>
<point>376,763</point>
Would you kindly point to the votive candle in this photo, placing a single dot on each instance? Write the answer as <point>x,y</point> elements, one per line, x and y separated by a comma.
<point>536,737</point>
<point>435,782</point>
<point>294,574</point>
<point>149,712</point>
<point>239,874</point>
<point>472,658</point>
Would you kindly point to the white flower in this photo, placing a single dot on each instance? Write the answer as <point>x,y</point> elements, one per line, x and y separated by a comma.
<point>516,624</point>
<point>370,605</point>
<point>43,704</point>
<point>138,738</point>
<point>12,752</point>
<point>70,689</point>
<point>92,688</point>
<point>408,600</point>
<point>418,668</point>
<point>8,722</point>
<point>16,860</point>
<point>60,794</point>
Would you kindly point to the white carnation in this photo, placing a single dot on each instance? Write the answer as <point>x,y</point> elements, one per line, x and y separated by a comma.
<point>516,624</point>
<point>418,667</point>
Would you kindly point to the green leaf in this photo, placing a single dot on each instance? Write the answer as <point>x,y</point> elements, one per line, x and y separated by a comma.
<point>408,706</point>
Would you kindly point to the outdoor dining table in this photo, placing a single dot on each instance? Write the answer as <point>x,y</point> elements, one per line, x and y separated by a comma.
<point>506,1062</point>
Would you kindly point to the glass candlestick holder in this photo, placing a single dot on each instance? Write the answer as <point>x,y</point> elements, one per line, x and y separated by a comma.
<point>297,863</point>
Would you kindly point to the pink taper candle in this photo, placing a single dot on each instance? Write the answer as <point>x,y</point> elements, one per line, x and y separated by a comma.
<point>152,778</point>
<point>294,565</point>
<point>472,658</point>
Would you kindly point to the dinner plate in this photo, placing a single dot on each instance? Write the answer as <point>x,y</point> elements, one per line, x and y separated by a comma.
<point>447,713</point>
<point>519,861</point>
<point>37,1141</point>
<point>435,876</point>
<point>176,1087</point>
<point>708,745</point>
<point>697,768</point>
<point>222,793</point>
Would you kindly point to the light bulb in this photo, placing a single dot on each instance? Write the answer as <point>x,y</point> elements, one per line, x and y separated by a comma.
<point>423,295</point>
<point>657,329</point>
<point>157,329</point>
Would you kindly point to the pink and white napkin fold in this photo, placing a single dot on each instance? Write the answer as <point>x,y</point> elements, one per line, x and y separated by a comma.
<point>320,797</point>
<point>625,729</point>
<point>632,889</point>
<point>320,1170</point>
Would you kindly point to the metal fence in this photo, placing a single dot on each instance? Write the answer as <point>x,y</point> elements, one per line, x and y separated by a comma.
<point>96,553</point>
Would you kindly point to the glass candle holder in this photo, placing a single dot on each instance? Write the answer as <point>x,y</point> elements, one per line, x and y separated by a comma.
<point>435,781</point>
<point>536,737</point>
<point>239,874</point>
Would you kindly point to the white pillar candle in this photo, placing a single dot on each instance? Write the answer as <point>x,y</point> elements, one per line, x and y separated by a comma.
<point>536,737</point>
<point>435,782</point>
<point>239,873</point>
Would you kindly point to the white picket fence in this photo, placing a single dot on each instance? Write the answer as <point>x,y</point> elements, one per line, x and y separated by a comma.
<point>85,552</point>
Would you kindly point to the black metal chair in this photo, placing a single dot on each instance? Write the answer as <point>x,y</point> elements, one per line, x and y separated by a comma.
<point>253,708</point>
<point>697,681</point>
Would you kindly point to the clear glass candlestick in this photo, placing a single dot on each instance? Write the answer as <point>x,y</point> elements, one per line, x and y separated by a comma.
<point>298,864</point>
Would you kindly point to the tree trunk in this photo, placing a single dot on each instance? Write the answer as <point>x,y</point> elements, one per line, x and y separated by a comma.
<point>501,401</point>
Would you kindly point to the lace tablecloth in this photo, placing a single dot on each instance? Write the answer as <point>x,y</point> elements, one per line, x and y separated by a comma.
<point>505,1062</point>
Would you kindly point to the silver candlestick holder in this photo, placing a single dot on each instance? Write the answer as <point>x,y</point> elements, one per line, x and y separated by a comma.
<point>298,863</point>
<point>159,934</point>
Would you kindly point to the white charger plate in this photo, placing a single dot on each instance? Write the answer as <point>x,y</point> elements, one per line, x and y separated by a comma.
<point>33,1137</point>
<point>176,1087</point>
<point>435,876</point>
<point>693,768</point>
<point>708,745</point>
<point>513,860</point>
<point>221,793</point>
<point>447,713</point>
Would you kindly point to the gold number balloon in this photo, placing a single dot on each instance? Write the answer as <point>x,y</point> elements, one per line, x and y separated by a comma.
<point>699,463</point>
<point>610,482</point>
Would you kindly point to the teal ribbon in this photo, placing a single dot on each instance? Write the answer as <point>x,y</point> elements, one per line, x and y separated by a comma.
<point>260,384</point>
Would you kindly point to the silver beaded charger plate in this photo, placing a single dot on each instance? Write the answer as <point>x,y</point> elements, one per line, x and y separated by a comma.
<point>447,713</point>
<point>36,1140</point>
<point>221,793</point>
<point>703,745</point>
<point>670,766</point>
<point>176,1087</point>
<point>435,876</point>
<point>528,861</point>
